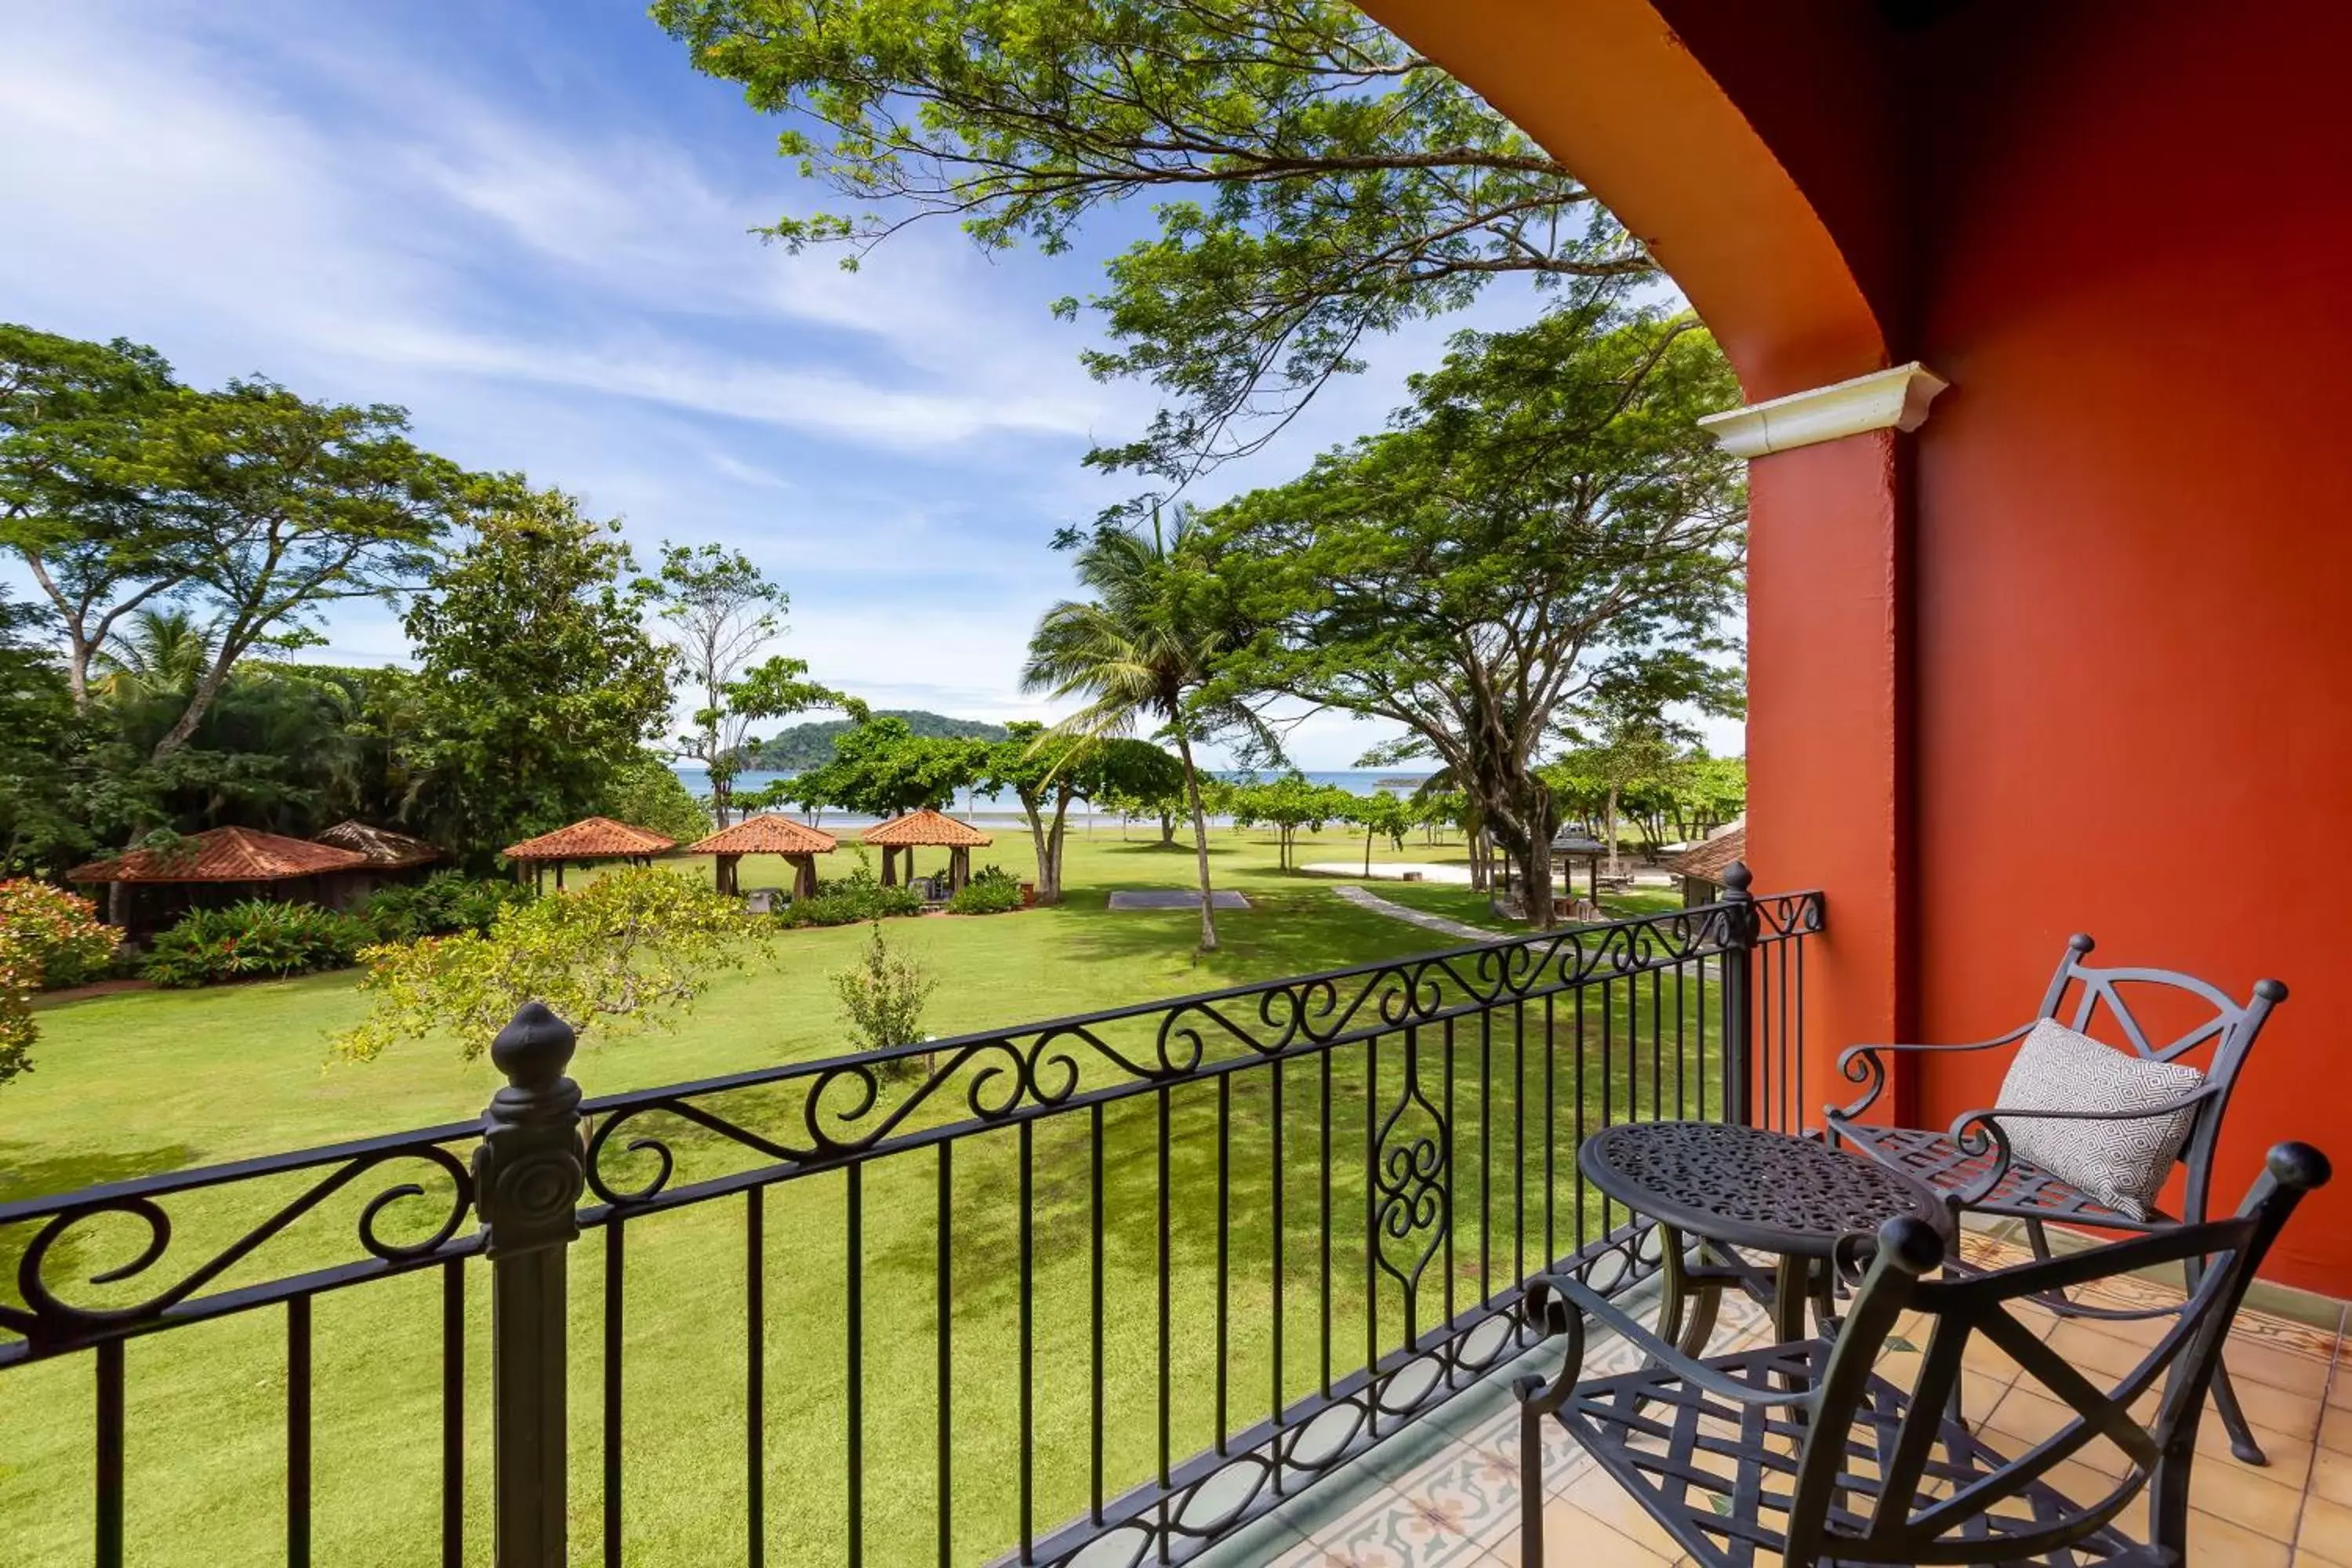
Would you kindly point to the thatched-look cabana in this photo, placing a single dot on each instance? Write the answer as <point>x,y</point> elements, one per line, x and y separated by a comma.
<point>391,857</point>
<point>797,842</point>
<point>592,838</point>
<point>220,865</point>
<point>926,827</point>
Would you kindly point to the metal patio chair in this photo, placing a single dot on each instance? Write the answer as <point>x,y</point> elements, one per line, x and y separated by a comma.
<point>1971,1165</point>
<point>1807,1451</point>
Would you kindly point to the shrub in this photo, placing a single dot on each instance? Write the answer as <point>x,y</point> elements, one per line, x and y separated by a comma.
<point>882,998</point>
<point>443,903</point>
<point>990,897</point>
<point>253,938</point>
<point>626,954</point>
<point>852,898</point>
<point>43,930</point>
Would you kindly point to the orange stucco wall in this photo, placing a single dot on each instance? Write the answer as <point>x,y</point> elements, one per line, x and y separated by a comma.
<point>2135,575</point>
<point>2117,694</point>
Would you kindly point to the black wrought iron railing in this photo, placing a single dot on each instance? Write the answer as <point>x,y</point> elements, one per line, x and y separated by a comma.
<point>1138,1275</point>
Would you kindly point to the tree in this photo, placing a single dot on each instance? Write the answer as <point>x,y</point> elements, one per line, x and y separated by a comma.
<point>882,768</point>
<point>627,952</point>
<point>1146,644</point>
<point>42,820</point>
<point>77,504</point>
<point>1382,815</point>
<point>1136,779</point>
<point>40,927</point>
<point>1317,181</point>
<point>724,610</point>
<point>641,789</point>
<point>1042,769</point>
<point>290,505</point>
<point>537,679</point>
<point>1286,804</point>
<point>1546,517</point>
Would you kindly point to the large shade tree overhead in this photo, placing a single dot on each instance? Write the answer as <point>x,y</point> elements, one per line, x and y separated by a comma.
<point>1543,523</point>
<point>1141,651</point>
<point>1315,182</point>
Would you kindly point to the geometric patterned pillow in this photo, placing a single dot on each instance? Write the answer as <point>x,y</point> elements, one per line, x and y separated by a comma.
<point>2121,1164</point>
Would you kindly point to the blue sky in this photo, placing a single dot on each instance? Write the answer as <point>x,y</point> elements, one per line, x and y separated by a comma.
<point>526,221</point>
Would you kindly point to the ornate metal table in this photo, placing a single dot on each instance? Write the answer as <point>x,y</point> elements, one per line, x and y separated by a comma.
<point>1742,1188</point>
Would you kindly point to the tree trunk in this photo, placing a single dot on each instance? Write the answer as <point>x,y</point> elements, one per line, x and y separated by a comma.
<point>1609,830</point>
<point>1049,891</point>
<point>1368,852</point>
<point>200,702</point>
<point>1200,838</point>
<point>1048,874</point>
<point>1167,829</point>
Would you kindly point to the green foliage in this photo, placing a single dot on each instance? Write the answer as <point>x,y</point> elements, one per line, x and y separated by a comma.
<point>642,790</point>
<point>252,938</point>
<point>722,609</point>
<point>442,903</point>
<point>1145,648</point>
<point>1314,179</point>
<point>986,895</point>
<point>1286,804</point>
<point>882,768</point>
<point>850,900</point>
<point>1545,522</point>
<point>44,930</point>
<point>810,745</point>
<point>538,681</point>
<point>629,952</point>
<point>882,997</point>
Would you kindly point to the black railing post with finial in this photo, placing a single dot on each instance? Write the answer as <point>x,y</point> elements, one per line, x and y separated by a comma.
<point>1739,996</point>
<point>528,1176</point>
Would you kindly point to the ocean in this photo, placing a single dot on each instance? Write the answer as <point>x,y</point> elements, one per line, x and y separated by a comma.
<point>1004,808</point>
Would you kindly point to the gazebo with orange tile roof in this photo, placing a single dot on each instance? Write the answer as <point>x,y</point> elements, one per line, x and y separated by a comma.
<point>927,828</point>
<point>589,839</point>
<point>242,861</point>
<point>770,833</point>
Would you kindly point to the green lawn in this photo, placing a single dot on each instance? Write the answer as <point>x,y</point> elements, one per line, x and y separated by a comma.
<point>150,1082</point>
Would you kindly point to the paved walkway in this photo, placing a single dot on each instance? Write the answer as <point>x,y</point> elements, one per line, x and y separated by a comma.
<point>1392,871</point>
<point>1380,906</point>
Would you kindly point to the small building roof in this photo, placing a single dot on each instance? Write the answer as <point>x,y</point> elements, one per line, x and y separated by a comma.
<point>770,833</point>
<point>925,827</point>
<point>385,849</point>
<point>222,854</point>
<point>1711,857</point>
<point>591,838</point>
<point>1578,844</point>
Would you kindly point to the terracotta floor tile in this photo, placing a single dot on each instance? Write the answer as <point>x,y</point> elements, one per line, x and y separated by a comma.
<point>2336,1430</point>
<point>2326,1531</point>
<point>1575,1539</point>
<point>2217,1540</point>
<point>2299,1370</point>
<point>2241,1495</point>
<point>2331,1476</point>
<point>1598,1494</point>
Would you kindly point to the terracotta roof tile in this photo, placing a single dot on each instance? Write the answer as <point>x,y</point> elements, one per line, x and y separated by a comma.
<point>589,838</point>
<point>926,827</point>
<point>766,835</point>
<point>383,847</point>
<point>1710,857</point>
<point>222,854</point>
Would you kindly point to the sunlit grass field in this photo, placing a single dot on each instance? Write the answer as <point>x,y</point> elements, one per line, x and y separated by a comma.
<point>147,1081</point>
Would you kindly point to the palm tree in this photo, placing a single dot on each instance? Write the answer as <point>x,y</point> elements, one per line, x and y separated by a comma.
<point>1141,647</point>
<point>161,653</point>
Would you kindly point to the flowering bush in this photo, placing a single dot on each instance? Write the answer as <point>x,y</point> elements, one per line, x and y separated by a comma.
<point>626,953</point>
<point>882,998</point>
<point>253,938</point>
<point>42,929</point>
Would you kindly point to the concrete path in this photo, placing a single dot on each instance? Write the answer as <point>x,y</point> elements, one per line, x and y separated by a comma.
<point>1176,899</point>
<point>1395,871</point>
<point>1395,911</point>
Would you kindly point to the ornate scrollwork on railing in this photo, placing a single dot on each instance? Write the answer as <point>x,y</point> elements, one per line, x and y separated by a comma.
<point>854,1106</point>
<point>1410,1208</point>
<point>58,1315</point>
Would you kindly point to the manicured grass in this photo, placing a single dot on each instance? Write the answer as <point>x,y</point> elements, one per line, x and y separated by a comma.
<point>150,1082</point>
